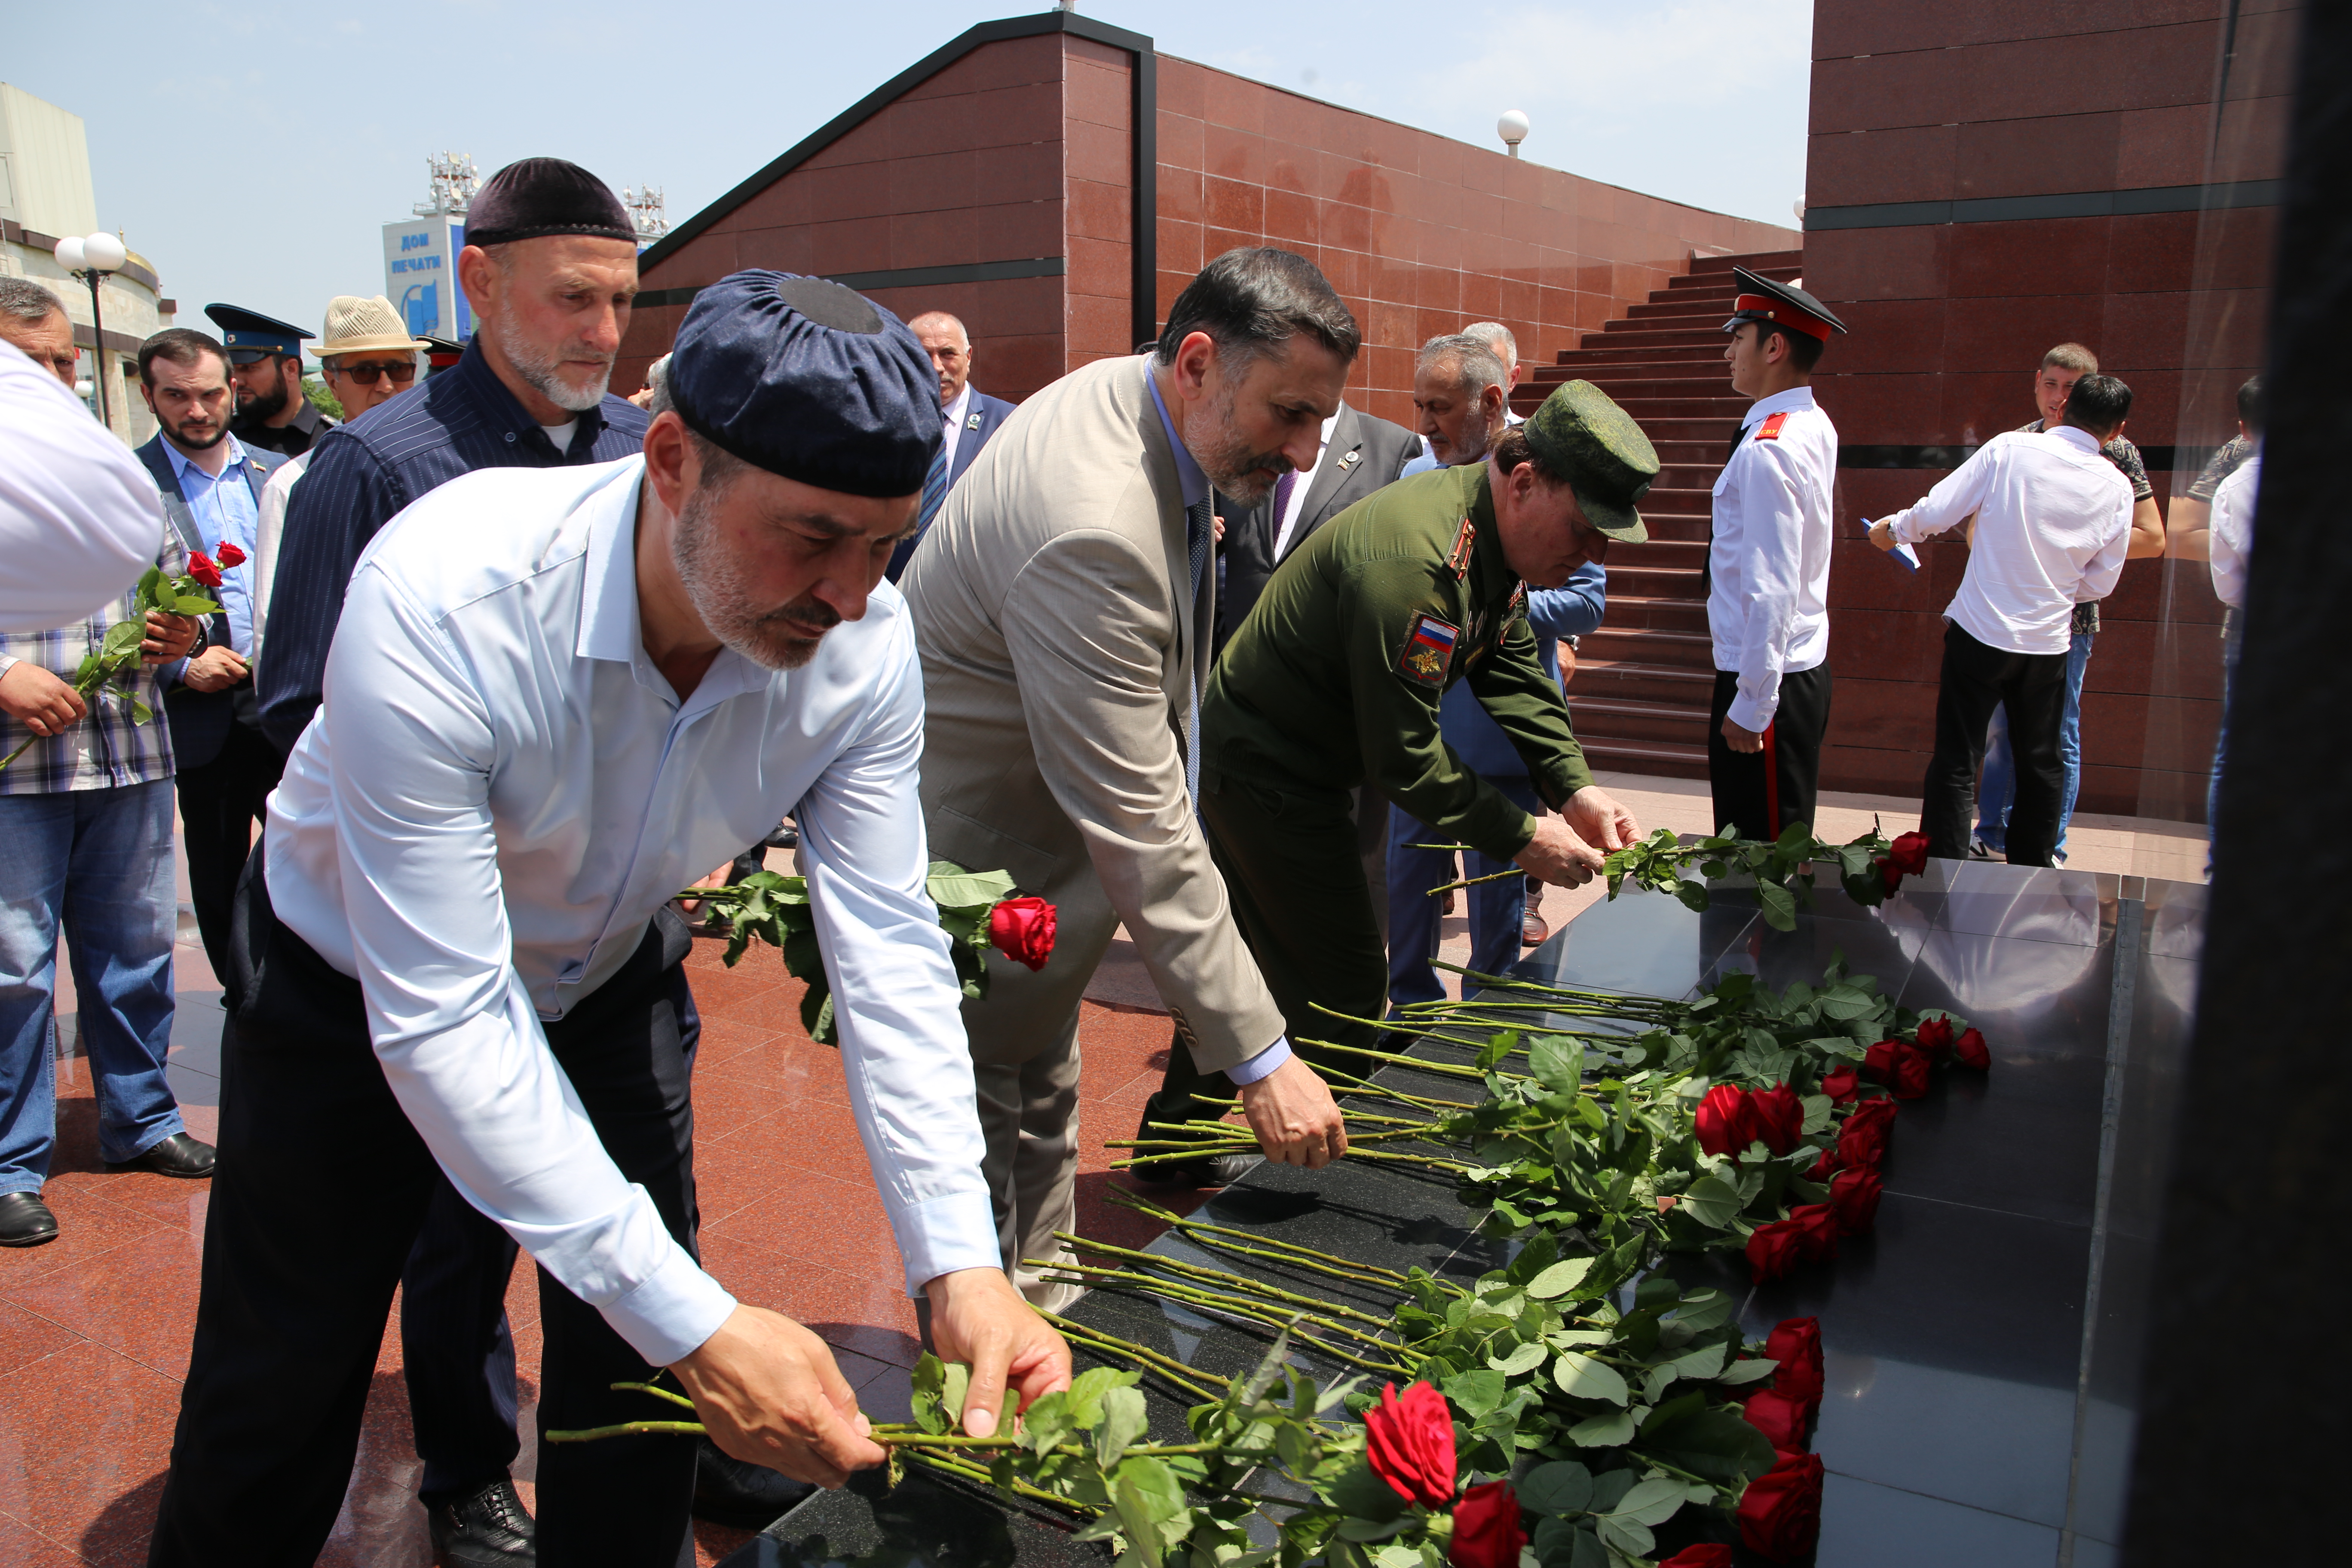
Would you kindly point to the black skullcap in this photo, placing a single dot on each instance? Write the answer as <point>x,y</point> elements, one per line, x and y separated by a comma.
<point>542,196</point>
<point>810,381</point>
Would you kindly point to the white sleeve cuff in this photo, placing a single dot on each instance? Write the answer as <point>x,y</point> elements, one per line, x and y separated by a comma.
<point>1261,1064</point>
<point>942,1235</point>
<point>1751,714</point>
<point>668,1316</point>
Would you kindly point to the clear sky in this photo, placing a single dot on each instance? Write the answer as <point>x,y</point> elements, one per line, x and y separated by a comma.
<point>254,150</point>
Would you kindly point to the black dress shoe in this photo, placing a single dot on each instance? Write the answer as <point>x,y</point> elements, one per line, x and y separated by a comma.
<point>740,1494</point>
<point>25,1220</point>
<point>785,836</point>
<point>1208,1171</point>
<point>490,1528</point>
<point>178,1155</point>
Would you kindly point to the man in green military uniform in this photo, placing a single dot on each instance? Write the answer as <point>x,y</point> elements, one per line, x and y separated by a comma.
<point>1334,681</point>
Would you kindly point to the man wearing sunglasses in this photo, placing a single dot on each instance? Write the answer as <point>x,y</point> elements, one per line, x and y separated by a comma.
<point>367,357</point>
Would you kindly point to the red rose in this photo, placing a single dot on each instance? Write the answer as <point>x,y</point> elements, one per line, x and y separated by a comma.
<point>1843,1085</point>
<point>1854,1195</point>
<point>1796,1344</point>
<point>1773,1249</point>
<point>1727,1120</point>
<point>1899,1065</point>
<point>1971,1048</point>
<point>1022,930</point>
<point>1862,1142</point>
<point>1781,1512</point>
<point>1409,1443</point>
<point>1486,1533</point>
<point>1706,1556</point>
<point>1936,1035</point>
<point>1906,857</point>
<point>1780,1117</point>
<point>1781,1419</point>
<point>1824,1166</point>
<point>230,556</point>
<point>1817,1231</point>
<point>200,567</point>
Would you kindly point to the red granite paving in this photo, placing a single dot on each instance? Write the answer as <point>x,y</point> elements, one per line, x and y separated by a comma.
<point>94,1328</point>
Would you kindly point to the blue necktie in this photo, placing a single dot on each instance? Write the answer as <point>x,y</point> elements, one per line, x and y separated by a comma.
<point>1198,534</point>
<point>935,494</point>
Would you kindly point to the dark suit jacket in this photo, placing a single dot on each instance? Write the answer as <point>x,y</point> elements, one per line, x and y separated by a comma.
<point>981,418</point>
<point>1364,454</point>
<point>200,720</point>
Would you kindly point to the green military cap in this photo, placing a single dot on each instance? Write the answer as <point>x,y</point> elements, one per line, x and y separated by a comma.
<point>1582,436</point>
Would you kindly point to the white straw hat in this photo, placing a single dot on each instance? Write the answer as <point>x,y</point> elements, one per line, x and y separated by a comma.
<point>359,325</point>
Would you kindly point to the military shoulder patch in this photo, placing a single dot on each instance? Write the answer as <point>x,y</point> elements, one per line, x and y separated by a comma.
<point>1428,650</point>
<point>1460,559</point>
<point>1770,430</point>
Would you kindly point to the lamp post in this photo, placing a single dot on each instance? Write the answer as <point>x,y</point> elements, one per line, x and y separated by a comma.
<point>90,259</point>
<point>1513,129</point>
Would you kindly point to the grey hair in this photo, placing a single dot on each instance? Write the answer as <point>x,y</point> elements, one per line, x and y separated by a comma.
<point>720,468</point>
<point>1475,367</point>
<point>1497,337</point>
<point>657,377</point>
<point>27,301</point>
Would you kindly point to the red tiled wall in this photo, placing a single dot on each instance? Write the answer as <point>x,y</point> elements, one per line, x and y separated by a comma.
<point>1421,234</point>
<point>1098,129</point>
<point>1955,100</point>
<point>965,167</point>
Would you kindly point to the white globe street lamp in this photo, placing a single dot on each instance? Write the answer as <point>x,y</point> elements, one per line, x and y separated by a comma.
<point>1513,129</point>
<point>91,258</point>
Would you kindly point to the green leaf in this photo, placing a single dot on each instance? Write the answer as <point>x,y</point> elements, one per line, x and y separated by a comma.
<point>1150,1504</point>
<point>1609,1489</point>
<point>140,711</point>
<point>1712,1202</point>
<point>1523,1359</point>
<point>1700,1364</point>
<point>1633,1539</point>
<point>1563,1488</point>
<point>1652,1502</point>
<point>1560,1278</point>
<point>1557,1062</point>
<point>1124,1419</point>
<point>1704,1309</point>
<point>953,887</point>
<point>1779,905</point>
<point>930,1402</point>
<point>1361,1494</point>
<point>1715,1443</point>
<point>1750,1370</point>
<point>1046,1422</point>
<point>1581,1377</point>
<point>1476,1392</point>
<point>1560,1544</point>
<point>1085,1394</point>
<point>149,581</point>
<point>121,637</point>
<point>1611,1431</point>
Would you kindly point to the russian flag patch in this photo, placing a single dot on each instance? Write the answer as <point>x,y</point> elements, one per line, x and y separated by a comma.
<point>1428,650</point>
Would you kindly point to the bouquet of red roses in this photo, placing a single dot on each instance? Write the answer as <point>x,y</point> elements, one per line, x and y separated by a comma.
<point>118,655</point>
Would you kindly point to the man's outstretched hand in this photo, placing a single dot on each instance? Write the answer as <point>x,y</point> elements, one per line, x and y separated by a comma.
<point>1297,1120</point>
<point>979,1318</point>
<point>769,1391</point>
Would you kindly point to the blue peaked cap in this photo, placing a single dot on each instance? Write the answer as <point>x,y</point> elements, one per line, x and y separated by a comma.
<point>808,379</point>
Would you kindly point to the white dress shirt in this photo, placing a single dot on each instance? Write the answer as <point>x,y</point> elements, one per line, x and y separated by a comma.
<point>2232,545</point>
<point>2053,520</point>
<point>500,790</point>
<point>80,517</point>
<point>1287,524</point>
<point>1768,604</point>
<point>953,413</point>
<point>276,496</point>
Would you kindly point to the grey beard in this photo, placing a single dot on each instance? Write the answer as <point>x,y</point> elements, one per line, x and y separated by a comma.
<point>538,372</point>
<point>716,588</point>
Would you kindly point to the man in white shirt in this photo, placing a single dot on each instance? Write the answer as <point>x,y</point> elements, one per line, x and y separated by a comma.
<point>1768,567</point>
<point>2054,521</point>
<point>80,517</point>
<point>554,698</point>
<point>2229,552</point>
<point>968,415</point>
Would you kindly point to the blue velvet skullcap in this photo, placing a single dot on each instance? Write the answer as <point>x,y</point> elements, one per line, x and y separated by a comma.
<point>810,381</point>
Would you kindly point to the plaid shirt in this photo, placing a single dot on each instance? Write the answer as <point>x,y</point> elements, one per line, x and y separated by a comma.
<point>105,750</point>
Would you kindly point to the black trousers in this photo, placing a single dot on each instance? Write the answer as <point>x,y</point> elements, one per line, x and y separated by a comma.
<point>323,1183</point>
<point>1976,679</point>
<point>221,805</point>
<point>1761,793</point>
<point>1293,870</point>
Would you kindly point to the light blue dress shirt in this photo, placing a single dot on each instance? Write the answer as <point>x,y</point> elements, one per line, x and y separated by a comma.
<point>499,792</point>
<point>1194,484</point>
<point>225,509</point>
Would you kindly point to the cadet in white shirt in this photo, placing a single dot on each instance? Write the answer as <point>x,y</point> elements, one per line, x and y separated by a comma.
<point>1768,567</point>
<point>554,698</point>
<point>2053,520</point>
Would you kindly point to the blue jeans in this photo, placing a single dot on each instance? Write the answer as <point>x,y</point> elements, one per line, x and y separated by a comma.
<point>98,863</point>
<point>1997,787</point>
<point>1498,911</point>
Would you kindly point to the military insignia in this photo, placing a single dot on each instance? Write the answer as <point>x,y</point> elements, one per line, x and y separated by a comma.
<point>1770,430</point>
<point>972,422</point>
<point>1460,559</point>
<point>1350,461</point>
<point>1428,650</point>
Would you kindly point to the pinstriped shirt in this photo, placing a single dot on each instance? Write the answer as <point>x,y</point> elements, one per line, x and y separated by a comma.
<point>105,750</point>
<point>363,473</point>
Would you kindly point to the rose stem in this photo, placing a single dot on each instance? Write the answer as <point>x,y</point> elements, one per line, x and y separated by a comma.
<point>1201,1272</point>
<point>1261,1246</point>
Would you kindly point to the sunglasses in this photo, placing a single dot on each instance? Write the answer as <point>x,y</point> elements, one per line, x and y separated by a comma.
<point>365,374</point>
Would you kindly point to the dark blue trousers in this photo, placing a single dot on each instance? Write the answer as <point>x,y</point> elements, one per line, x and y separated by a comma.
<point>1498,910</point>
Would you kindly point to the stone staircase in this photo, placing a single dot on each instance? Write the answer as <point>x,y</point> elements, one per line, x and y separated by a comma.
<point>1642,680</point>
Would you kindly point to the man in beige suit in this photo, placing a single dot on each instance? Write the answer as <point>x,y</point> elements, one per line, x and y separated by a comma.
<point>1064,610</point>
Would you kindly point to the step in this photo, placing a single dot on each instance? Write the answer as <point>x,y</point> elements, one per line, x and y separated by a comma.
<point>1715,433</point>
<point>1629,609</point>
<point>1762,261</point>
<point>1681,307</point>
<point>1622,338</point>
<point>1621,386</point>
<point>1654,553</point>
<point>1673,527</point>
<point>1648,644</point>
<point>1651,759</point>
<point>1611,719</point>
<point>1620,352</point>
<point>1626,679</point>
<point>1658,582</point>
<point>1708,323</point>
<point>1728,406</point>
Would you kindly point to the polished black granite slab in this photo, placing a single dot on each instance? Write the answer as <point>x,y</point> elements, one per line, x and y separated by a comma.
<point>1970,1417</point>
